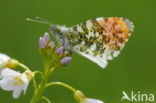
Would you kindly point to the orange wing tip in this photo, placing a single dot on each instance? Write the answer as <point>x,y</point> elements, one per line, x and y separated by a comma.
<point>115,31</point>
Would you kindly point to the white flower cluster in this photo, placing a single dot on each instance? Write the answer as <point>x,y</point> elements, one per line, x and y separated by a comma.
<point>12,80</point>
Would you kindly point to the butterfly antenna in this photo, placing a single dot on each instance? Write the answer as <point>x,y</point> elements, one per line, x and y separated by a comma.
<point>39,20</point>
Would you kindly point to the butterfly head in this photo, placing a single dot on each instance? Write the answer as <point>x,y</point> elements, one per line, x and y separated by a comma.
<point>59,32</point>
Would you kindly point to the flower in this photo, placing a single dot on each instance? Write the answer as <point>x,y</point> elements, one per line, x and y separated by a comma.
<point>81,98</point>
<point>15,81</point>
<point>3,60</point>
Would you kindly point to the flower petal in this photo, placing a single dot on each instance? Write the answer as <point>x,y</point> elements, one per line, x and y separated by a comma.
<point>8,72</point>
<point>17,91</point>
<point>26,82</point>
<point>4,57</point>
<point>3,60</point>
<point>7,83</point>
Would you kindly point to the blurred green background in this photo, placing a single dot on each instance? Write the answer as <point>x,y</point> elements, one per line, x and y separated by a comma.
<point>134,70</point>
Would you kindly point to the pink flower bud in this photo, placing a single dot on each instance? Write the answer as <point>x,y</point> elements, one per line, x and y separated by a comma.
<point>60,50</point>
<point>66,60</point>
<point>42,43</point>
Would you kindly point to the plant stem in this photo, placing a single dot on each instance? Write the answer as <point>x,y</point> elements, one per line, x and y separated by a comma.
<point>34,83</point>
<point>46,99</point>
<point>62,84</point>
<point>23,66</point>
<point>41,87</point>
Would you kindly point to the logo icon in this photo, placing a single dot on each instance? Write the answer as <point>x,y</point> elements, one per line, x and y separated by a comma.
<point>125,96</point>
<point>137,97</point>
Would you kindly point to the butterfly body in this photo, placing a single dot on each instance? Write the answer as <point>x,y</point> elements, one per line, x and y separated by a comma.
<point>99,39</point>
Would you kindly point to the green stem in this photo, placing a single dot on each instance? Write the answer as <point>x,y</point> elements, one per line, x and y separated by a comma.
<point>38,72</point>
<point>46,99</point>
<point>23,66</point>
<point>41,87</point>
<point>62,84</point>
<point>34,79</point>
<point>34,83</point>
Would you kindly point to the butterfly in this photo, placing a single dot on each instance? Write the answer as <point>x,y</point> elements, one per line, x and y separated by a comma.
<point>99,40</point>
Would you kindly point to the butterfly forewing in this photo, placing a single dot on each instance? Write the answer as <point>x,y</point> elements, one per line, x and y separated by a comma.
<point>100,39</point>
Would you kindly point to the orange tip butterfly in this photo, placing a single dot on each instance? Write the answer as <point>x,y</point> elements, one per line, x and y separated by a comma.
<point>99,40</point>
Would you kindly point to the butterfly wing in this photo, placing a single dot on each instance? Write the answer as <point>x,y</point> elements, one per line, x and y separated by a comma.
<point>100,39</point>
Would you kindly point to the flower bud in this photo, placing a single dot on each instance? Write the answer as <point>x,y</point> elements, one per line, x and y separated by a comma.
<point>60,50</point>
<point>46,37</point>
<point>42,43</point>
<point>51,44</point>
<point>66,60</point>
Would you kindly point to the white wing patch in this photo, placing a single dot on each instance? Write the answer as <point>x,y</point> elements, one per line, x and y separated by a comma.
<point>102,62</point>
